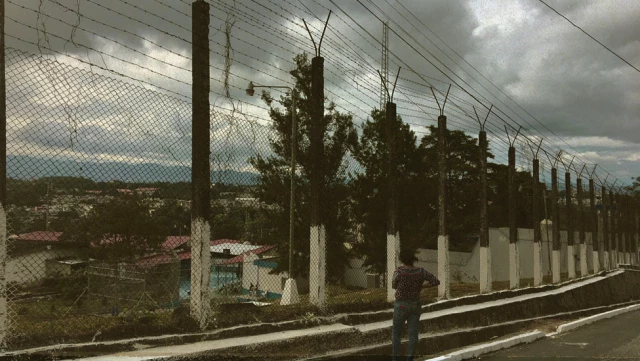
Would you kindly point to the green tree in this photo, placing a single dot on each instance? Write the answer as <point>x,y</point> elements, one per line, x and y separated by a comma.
<point>25,193</point>
<point>173,219</point>
<point>121,229</point>
<point>634,187</point>
<point>498,197</point>
<point>369,189</point>
<point>273,187</point>
<point>417,172</point>
<point>18,221</point>
<point>72,184</point>
<point>462,186</point>
<point>239,221</point>
<point>64,221</point>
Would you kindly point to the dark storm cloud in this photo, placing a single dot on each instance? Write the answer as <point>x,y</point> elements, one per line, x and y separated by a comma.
<point>567,81</point>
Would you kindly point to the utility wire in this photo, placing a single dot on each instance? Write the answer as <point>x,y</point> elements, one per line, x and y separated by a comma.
<point>589,35</point>
<point>467,92</point>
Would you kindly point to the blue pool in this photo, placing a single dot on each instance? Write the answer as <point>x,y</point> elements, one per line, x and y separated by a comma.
<point>216,280</point>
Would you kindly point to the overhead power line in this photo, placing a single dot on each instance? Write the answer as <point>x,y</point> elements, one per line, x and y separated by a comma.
<point>589,35</point>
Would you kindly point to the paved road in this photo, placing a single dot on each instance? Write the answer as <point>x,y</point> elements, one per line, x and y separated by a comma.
<point>616,338</point>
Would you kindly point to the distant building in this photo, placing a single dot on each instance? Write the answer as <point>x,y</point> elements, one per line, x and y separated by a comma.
<point>29,254</point>
<point>146,191</point>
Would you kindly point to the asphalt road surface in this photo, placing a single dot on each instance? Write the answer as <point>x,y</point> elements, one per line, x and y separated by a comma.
<point>614,339</point>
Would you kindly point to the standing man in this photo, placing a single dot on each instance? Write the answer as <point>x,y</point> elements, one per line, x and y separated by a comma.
<point>408,281</point>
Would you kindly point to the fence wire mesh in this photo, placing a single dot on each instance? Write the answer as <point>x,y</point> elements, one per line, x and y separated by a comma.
<point>99,185</point>
<point>99,226</point>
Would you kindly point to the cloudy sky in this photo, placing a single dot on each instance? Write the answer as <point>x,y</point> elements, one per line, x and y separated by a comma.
<point>123,93</point>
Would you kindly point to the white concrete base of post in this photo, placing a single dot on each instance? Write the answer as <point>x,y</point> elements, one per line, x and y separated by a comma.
<point>555,265</point>
<point>514,266</point>
<point>584,267</point>
<point>637,250</point>
<point>444,289</point>
<point>4,320</point>
<point>571,262</point>
<point>596,261</point>
<point>607,260</point>
<point>485,270</point>
<point>537,263</point>
<point>290,293</point>
<point>200,270</point>
<point>546,234</point>
<point>393,247</point>
<point>317,266</point>
<point>627,258</point>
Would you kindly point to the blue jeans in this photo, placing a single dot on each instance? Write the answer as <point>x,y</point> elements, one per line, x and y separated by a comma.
<point>408,311</point>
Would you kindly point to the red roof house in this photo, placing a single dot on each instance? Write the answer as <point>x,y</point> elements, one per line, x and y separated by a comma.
<point>40,236</point>
<point>240,258</point>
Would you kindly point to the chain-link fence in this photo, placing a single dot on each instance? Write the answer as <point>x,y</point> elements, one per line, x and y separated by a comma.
<point>99,227</point>
<point>104,236</point>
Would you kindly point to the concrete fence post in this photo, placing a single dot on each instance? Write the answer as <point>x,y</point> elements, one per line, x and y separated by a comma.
<point>571,256</point>
<point>606,241</point>
<point>514,259</point>
<point>3,188</point>
<point>634,246</point>
<point>630,238</point>
<point>596,226</point>
<point>623,229</point>
<point>546,233</point>
<point>555,218</point>
<point>620,227</point>
<point>636,237</point>
<point>317,233</point>
<point>622,234</point>
<point>602,254</point>
<point>444,290</point>
<point>200,168</point>
<point>627,229</point>
<point>632,230</point>
<point>537,227</point>
<point>393,235</point>
<point>584,267</point>
<point>619,232</point>
<point>485,251</point>
<point>613,239</point>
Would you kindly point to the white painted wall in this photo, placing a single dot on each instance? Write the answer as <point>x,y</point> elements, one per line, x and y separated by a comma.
<point>465,267</point>
<point>499,244</point>
<point>356,275</point>
<point>260,277</point>
<point>32,267</point>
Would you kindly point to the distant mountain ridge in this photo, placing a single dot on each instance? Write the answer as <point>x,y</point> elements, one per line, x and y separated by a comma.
<point>29,167</point>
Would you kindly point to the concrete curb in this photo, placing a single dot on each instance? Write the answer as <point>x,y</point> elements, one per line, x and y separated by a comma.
<point>587,320</point>
<point>475,351</point>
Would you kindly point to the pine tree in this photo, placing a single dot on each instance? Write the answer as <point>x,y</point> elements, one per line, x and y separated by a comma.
<point>369,189</point>
<point>273,188</point>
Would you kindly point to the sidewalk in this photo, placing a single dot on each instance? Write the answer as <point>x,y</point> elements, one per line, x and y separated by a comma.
<point>440,319</point>
<point>444,325</point>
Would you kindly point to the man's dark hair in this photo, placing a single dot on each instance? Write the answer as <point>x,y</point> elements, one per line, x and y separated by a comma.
<point>408,256</point>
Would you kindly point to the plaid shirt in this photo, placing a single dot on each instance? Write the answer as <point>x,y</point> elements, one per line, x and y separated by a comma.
<point>408,282</point>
